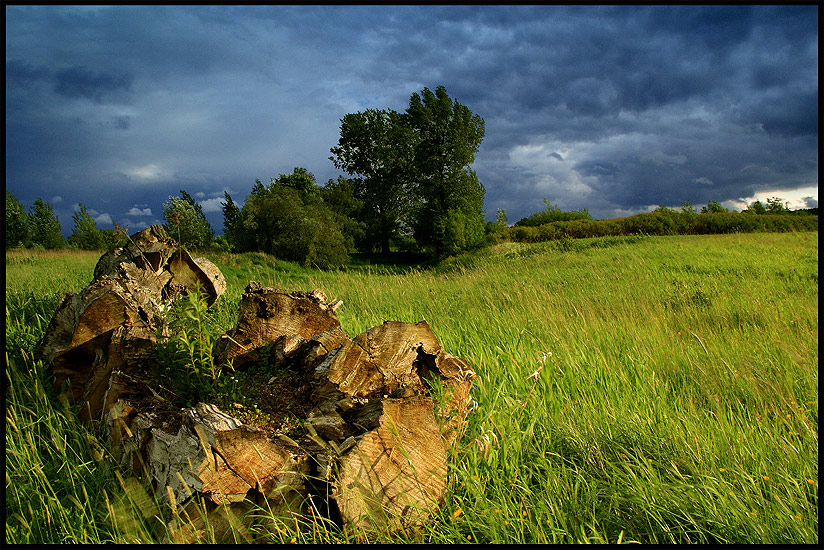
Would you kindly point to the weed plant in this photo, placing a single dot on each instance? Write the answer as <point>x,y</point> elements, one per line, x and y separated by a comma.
<point>186,355</point>
<point>657,390</point>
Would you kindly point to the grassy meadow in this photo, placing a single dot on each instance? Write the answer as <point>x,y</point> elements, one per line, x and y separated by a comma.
<point>630,389</point>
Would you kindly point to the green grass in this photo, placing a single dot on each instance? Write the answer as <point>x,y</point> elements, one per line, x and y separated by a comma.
<point>660,389</point>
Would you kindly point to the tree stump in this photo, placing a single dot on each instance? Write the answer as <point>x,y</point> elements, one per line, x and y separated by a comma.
<point>112,325</point>
<point>376,414</point>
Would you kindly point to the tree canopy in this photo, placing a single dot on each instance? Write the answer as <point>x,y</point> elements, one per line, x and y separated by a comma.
<point>44,225</point>
<point>414,172</point>
<point>288,218</point>
<point>86,234</point>
<point>377,145</point>
<point>450,214</point>
<point>17,223</point>
<point>186,223</point>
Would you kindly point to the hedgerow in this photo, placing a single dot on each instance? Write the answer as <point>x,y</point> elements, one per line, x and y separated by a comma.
<point>666,222</point>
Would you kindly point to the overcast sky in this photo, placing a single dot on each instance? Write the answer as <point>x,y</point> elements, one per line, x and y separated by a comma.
<point>617,109</point>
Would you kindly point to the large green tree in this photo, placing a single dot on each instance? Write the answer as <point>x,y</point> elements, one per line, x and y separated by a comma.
<point>377,145</point>
<point>755,207</point>
<point>447,136</point>
<point>293,223</point>
<point>44,225</point>
<point>86,234</point>
<point>186,222</point>
<point>776,206</point>
<point>17,223</point>
<point>301,180</point>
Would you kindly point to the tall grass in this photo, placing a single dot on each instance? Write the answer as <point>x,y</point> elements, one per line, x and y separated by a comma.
<point>660,389</point>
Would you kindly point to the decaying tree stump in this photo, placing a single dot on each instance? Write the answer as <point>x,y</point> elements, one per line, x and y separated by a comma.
<point>112,325</point>
<point>365,422</point>
<point>372,413</point>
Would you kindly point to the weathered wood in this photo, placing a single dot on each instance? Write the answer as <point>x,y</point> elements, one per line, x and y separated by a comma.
<point>383,407</point>
<point>93,334</point>
<point>395,474</point>
<point>156,263</point>
<point>113,324</point>
<point>204,451</point>
<point>379,411</point>
<point>267,314</point>
<point>377,388</point>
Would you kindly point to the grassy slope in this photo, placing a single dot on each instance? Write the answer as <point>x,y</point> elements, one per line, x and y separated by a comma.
<point>675,397</point>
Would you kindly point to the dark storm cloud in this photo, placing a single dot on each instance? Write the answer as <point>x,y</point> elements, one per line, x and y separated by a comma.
<point>75,82</point>
<point>22,74</point>
<point>612,108</point>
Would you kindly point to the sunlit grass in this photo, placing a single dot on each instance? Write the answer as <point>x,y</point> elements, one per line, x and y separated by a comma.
<point>660,389</point>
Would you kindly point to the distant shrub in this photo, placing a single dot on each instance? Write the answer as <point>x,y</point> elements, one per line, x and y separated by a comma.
<point>547,232</point>
<point>654,223</point>
<point>525,234</point>
<point>746,223</point>
<point>553,213</point>
<point>665,221</point>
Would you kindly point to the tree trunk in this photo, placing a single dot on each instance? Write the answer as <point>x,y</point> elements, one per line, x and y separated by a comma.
<point>377,413</point>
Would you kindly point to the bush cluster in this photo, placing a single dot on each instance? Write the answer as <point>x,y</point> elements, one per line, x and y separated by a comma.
<point>552,213</point>
<point>666,222</point>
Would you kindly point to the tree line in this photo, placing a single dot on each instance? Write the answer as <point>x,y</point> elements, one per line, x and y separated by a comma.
<point>553,213</point>
<point>408,187</point>
<point>293,218</point>
<point>40,228</point>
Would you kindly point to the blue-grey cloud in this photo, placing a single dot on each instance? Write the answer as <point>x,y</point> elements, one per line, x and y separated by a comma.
<point>612,108</point>
<point>80,82</point>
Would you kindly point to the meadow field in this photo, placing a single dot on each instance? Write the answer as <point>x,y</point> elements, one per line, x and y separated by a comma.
<point>630,389</point>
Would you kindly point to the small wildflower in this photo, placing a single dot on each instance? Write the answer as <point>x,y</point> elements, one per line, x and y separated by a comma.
<point>469,537</point>
<point>810,481</point>
<point>457,513</point>
<point>766,478</point>
<point>524,513</point>
<point>293,540</point>
<point>721,470</point>
<point>797,517</point>
<point>753,513</point>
